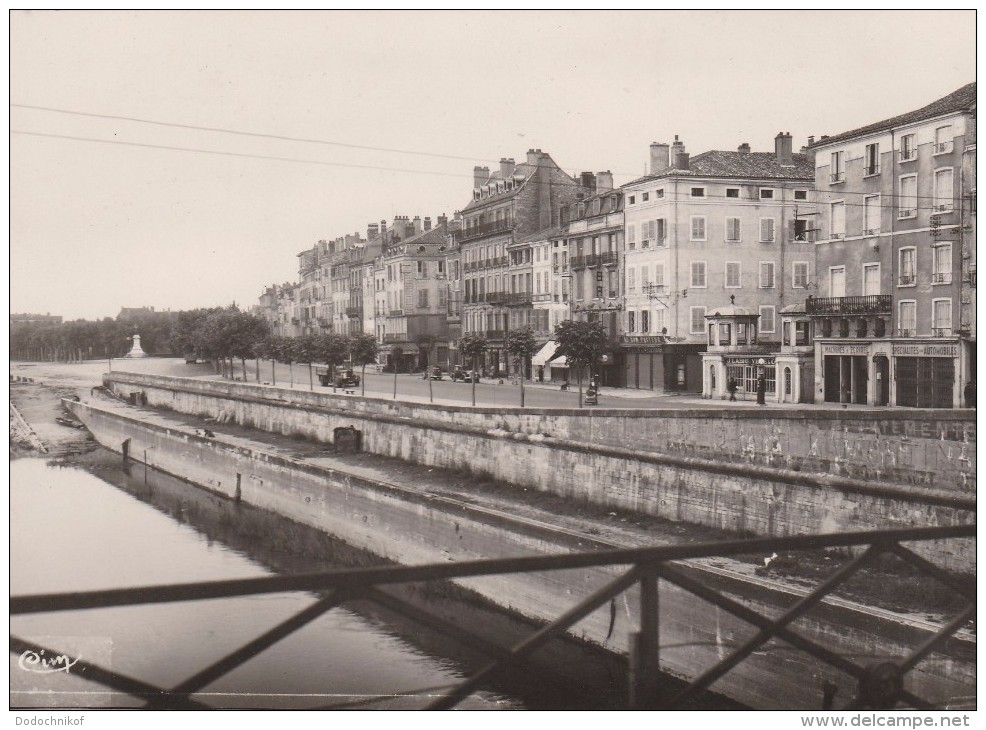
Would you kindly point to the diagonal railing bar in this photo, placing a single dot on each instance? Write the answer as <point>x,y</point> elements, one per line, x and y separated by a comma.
<point>443,626</point>
<point>934,641</point>
<point>748,647</point>
<point>760,621</point>
<point>539,637</point>
<point>443,571</point>
<point>267,639</point>
<point>943,577</point>
<point>107,677</point>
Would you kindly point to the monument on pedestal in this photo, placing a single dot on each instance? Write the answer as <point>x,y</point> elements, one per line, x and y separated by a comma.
<point>136,350</point>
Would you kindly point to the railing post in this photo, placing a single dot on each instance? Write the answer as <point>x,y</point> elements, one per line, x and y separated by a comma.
<point>644,650</point>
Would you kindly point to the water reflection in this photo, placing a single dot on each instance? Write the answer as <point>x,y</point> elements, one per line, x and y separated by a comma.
<point>72,530</point>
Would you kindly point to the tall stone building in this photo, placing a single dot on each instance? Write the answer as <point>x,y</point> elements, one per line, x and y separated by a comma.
<point>894,312</point>
<point>508,205</point>
<point>704,232</point>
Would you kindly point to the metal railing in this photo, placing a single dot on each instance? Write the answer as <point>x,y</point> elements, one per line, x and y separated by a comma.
<point>467,234</point>
<point>879,686</point>
<point>869,304</point>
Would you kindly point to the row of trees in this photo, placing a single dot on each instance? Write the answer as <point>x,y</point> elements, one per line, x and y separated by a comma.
<point>86,340</point>
<point>582,343</point>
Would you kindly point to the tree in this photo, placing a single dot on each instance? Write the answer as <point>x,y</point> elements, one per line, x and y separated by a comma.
<point>332,349</point>
<point>363,349</point>
<point>522,345</point>
<point>473,346</point>
<point>426,343</point>
<point>396,352</point>
<point>582,343</point>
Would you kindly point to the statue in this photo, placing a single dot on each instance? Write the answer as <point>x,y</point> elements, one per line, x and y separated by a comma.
<point>136,350</point>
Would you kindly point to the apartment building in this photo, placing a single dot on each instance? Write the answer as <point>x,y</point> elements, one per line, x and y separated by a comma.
<point>508,205</point>
<point>704,232</point>
<point>894,309</point>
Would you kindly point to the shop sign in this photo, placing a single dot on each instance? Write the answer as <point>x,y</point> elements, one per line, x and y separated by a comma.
<point>845,349</point>
<point>926,350</point>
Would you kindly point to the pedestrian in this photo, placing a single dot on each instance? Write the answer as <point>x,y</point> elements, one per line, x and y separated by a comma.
<point>970,394</point>
<point>731,387</point>
<point>761,390</point>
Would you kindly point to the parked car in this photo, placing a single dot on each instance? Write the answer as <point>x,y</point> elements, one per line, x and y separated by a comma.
<point>344,378</point>
<point>435,373</point>
<point>464,375</point>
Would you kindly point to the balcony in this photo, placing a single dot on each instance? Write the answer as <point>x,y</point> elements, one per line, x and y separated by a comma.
<point>485,229</point>
<point>906,213</point>
<point>395,337</point>
<point>496,297</point>
<point>354,312</point>
<point>609,258</point>
<point>843,306</point>
<point>836,236</point>
<point>902,332</point>
<point>871,170</point>
<point>943,207</point>
<point>941,278</point>
<point>906,280</point>
<point>837,177</point>
<point>941,332</point>
<point>907,155</point>
<point>518,298</point>
<point>541,298</point>
<point>395,313</point>
<point>581,262</point>
<point>871,232</point>
<point>495,334</point>
<point>941,148</point>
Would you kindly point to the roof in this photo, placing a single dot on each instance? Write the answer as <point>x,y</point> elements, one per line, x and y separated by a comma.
<point>542,234</point>
<point>963,99</point>
<point>522,169</point>
<point>733,164</point>
<point>730,310</point>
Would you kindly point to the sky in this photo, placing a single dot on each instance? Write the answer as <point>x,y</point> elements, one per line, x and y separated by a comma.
<point>272,130</point>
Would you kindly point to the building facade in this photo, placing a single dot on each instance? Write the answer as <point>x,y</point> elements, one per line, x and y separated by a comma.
<point>894,310</point>
<point>701,232</point>
<point>508,205</point>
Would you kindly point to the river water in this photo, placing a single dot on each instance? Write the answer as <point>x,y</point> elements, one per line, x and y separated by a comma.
<point>80,527</point>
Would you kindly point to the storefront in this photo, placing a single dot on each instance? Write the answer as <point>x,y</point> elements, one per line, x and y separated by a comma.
<point>925,374</point>
<point>650,362</point>
<point>734,360</point>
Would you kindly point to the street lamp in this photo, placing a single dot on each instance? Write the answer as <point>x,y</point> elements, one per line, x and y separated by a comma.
<point>761,382</point>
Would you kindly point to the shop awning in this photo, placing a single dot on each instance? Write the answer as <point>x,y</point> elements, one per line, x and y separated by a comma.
<point>559,362</point>
<point>544,354</point>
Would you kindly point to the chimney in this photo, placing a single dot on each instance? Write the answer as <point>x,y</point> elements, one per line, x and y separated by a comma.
<point>507,166</point>
<point>676,149</point>
<point>659,157</point>
<point>427,223</point>
<point>417,224</point>
<point>544,192</point>
<point>744,149</point>
<point>442,222</point>
<point>681,161</point>
<point>811,140</point>
<point>532,157</point>
<point>604,181</point>
<point>588,180</point>
<point>782,149</point>
<point>480,175</point>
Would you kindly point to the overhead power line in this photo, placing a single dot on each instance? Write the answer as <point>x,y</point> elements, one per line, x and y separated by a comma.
<point>242,133</point>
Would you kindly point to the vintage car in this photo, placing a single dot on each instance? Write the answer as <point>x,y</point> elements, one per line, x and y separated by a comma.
<point>464,375</point>
<point>344,377</point>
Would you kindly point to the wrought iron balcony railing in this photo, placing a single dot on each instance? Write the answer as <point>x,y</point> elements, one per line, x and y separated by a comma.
<point>861,305</point>
<point>638,573</point>
<point>485,229</point>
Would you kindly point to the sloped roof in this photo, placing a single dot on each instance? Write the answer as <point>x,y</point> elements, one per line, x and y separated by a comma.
<point>732,164</point>
<point>542,234</point>
<point>959,100</point>
<point>522,169</point>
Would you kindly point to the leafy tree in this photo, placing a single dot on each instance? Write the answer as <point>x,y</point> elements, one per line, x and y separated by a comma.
<point>473,346</point>
<point>582,343</point>
<point>363,349</point>
<point>333,350</point>
<point>522,346</point>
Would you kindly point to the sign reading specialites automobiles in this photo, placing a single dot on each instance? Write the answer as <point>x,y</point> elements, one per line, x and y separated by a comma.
<point>927,350</point>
